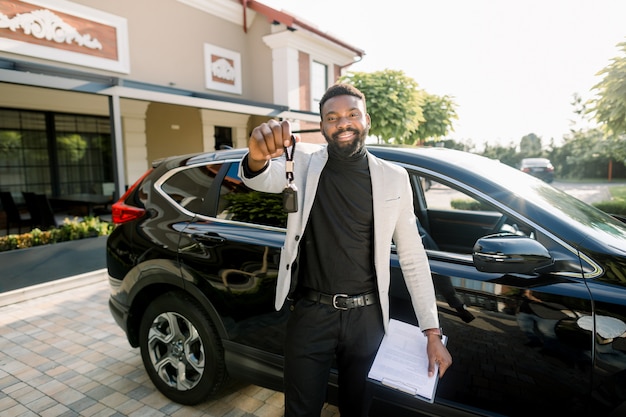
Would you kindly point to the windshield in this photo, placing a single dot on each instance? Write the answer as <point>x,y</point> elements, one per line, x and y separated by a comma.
<point>585,217</point>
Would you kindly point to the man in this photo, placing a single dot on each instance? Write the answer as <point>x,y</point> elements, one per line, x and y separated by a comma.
<point>335,262</point>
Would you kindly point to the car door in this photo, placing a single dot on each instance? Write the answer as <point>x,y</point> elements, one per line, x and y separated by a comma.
<point>230,252</point>
<point>524,352</point>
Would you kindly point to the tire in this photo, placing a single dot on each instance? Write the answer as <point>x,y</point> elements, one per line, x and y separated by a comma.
<point>180,349</point>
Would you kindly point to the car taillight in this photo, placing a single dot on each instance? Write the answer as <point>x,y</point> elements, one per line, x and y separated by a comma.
<point>122,212</point>
<point>525,169</point>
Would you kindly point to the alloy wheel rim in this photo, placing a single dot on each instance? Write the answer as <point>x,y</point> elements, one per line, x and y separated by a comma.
<point>176,351</point>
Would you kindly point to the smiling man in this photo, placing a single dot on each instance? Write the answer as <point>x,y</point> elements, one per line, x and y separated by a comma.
<point>334,267</point>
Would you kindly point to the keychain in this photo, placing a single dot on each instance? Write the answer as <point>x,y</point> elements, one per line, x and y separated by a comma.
<point>290,193</point>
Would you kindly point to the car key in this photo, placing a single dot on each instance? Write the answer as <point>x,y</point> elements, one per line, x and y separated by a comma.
<point>290,193</point>
<point>290,199</point>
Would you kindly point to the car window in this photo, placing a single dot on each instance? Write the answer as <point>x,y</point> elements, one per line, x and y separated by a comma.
<point>452,220</point>
<point>239,203</point>
<point>189,187</point>
<point>216,190</point>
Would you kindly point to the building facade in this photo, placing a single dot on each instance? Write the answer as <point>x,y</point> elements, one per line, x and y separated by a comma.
<point>92,92</point>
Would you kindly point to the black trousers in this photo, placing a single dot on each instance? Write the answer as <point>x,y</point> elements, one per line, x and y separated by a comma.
<point>319,333</point>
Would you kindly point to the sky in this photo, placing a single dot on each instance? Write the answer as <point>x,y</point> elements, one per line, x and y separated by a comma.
<point>512,67</point>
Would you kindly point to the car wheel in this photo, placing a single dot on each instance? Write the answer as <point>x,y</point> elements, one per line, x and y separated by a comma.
<point>180,349</point>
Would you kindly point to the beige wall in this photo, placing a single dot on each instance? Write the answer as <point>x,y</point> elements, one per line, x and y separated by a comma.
<point>172,130</point>
<point>166,43</point>
<point>45,99</point>
<point>257,63</point>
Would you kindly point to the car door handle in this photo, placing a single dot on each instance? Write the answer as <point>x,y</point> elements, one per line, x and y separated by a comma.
<point>212,239</point>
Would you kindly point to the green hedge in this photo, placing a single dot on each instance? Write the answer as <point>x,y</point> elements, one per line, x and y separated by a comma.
<point>468,204</point>
<point>613,207</point>
<point>256,207</point>
<point>69,230</point>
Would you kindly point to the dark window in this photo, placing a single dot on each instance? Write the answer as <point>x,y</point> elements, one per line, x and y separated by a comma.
<point>53,153</point>
<point>83,149</point>
<point>196,190</point>
<point>223,137</point>
<point>189,187</point>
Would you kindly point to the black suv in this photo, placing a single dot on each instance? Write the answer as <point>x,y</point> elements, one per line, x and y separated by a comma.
<point>531,285</point>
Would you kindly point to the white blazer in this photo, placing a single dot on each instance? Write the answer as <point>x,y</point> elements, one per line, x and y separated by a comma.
<point>394,219</point>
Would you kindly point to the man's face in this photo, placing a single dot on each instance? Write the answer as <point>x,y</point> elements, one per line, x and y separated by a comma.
<point>345,124</point>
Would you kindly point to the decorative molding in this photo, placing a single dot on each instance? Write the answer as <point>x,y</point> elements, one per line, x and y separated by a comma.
<point>319,48</point>
<point>43,24</point>
<point>222,69</point>
<point>63,31</point>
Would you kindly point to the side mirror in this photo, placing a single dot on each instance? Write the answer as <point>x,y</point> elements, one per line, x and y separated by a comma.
<point>510,253</point>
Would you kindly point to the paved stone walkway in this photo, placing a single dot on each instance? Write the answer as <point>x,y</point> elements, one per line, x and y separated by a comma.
<point>61,354</point>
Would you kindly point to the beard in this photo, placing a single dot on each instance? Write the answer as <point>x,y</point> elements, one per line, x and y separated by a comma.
<point>346,149</point>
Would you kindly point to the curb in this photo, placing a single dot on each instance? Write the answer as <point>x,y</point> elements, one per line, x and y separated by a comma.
<point>60,285</point>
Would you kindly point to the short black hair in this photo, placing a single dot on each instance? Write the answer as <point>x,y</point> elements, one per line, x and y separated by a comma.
<point>341,90</point>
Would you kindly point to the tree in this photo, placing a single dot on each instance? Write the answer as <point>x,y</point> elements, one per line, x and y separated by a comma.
<point>10,140</point>
<point>610,105</point>
<point>579,156</point>
<point>401,113</point>
<point>438,112</point>
<point>581,112</point>
<point>609,109</point>
<point>506,154</point>
<point>530,146</point>
<point>466,145</point>
<point>393,102</point>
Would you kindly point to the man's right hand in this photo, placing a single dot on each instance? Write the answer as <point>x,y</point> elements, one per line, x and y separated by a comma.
<point>267,141</point>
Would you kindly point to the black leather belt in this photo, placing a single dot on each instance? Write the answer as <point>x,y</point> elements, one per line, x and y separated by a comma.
<point>341,301</point>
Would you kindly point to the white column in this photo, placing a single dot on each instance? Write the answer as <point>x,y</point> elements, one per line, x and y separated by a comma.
<point>134,138</point>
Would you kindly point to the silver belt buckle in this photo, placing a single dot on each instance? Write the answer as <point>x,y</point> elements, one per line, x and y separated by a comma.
<point>335,301</point>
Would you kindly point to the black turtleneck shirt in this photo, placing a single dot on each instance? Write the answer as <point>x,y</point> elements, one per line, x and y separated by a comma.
<point>336,252</point>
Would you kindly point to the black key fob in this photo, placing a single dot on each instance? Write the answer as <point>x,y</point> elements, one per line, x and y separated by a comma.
<point>290,199</point>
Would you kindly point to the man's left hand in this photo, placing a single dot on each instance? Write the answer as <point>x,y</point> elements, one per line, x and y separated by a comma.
<point>437,355</point>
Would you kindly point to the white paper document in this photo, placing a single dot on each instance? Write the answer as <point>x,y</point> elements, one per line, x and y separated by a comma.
<point>401,362</point>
